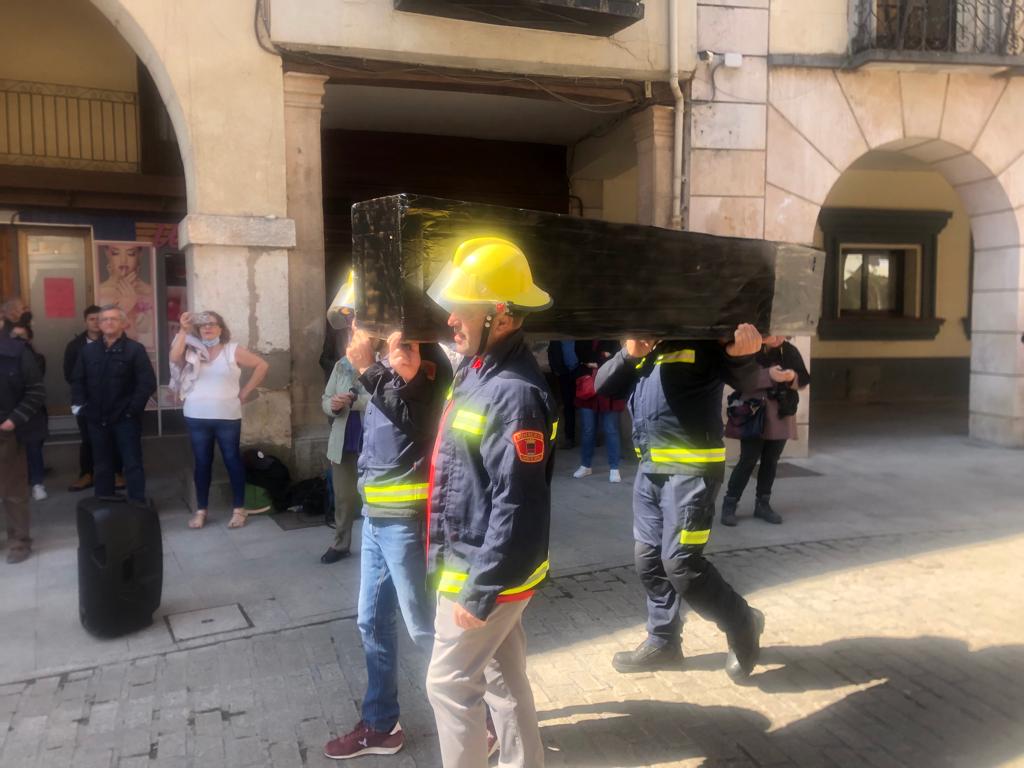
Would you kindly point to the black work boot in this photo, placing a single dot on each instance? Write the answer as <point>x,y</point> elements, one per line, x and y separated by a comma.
<point>744,648</point>
<point>763,510</point>
<point>648,657</point>
<point>729,511</point>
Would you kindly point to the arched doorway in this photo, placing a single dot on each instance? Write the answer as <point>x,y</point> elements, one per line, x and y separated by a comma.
<point>965,128</point>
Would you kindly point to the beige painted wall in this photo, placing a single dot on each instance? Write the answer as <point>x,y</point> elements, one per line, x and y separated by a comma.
<point>916,190</point>
<point>620,197</point>
<point>809,26</point>
<point>375,30</point>
<point>66,42</point>
<point>224,95</point>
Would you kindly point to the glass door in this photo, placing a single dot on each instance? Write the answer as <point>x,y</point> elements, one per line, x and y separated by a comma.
<point>56,283</point>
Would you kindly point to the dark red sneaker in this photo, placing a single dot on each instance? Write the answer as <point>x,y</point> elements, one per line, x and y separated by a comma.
<point>364,740</point>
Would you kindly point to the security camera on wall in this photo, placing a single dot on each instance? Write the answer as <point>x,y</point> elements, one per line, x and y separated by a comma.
<point>706,56</point>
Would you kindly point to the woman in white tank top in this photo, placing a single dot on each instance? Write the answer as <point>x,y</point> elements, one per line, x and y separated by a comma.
<point>211,364</point>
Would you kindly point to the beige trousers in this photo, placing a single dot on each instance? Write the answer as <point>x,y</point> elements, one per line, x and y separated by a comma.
<point>469,666</point>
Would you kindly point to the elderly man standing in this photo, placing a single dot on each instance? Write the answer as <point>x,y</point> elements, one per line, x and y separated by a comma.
<point>21,397</point>
<point>110,386</point>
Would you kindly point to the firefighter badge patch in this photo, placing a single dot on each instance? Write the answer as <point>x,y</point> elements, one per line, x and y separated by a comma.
<point>529,445</point>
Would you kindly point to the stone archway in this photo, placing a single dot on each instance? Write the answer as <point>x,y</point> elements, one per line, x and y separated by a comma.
<point>965,127</point>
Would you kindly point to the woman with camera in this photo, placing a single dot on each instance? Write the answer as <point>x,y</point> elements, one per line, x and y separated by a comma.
<point>206,370</point>
<point>769,420</point>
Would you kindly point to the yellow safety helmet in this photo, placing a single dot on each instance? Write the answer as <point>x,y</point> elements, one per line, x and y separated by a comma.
<point>344,304</point>
<point>489,270</point>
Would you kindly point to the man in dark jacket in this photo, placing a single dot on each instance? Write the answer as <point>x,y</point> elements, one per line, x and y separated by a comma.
<point>490,507</point>
<point>111,384</point>
<point>91,334</point>
<point>21,396</point>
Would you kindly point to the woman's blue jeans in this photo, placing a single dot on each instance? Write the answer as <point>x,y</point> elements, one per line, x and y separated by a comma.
<point>227,433</point>
<point>610,425</point>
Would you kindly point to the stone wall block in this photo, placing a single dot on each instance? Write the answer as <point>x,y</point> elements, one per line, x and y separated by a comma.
<point>728,126</point>
<point>962,169</point>
<point>986,196</point>
<point>1012,181</point>
<point>723,172</point>
<point>934,151</point>
<point>812,101</point>
<point>996,269</point>
<point>727,216</point>
<point>873,95</point>
<point>997,430</point>
<point>969,102</point>
<point>267,421</point>
<point>1000,353</point>
<point>732,30</point>
<point>998,311</point>
<point>997,395</point>
<point>995,230</point>
<point>748,83</point>
<point>794,165</point>
<point>270,301</point>
<point>788,218</point>
<point>924,95</point>
<point>1001,141</point>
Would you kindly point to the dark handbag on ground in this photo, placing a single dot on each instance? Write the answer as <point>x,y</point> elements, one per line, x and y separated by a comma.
<point>585,389</point>
<point>746,416</point>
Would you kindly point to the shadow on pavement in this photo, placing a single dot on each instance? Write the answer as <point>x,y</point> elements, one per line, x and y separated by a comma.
<point>923,701</point>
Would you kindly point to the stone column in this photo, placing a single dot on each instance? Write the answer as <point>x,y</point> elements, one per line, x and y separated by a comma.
<point>997,353</point>
<point>652,131</point>
<point>303,106</point>
<point>238,266</point>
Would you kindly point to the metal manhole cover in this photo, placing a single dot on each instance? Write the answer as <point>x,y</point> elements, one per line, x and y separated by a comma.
<point>207,621</point>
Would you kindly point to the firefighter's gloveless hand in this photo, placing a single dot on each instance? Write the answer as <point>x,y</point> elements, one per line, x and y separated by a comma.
<point>404,356</point>
<point>360,350</point>
<point>466,620</point>
<point>639,347</point>
<point>746,341</point>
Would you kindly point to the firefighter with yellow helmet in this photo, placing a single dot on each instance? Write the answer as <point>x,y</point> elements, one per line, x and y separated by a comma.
<point>489,508</point>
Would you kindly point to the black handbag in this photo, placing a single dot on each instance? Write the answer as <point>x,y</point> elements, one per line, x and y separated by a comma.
<point>746,416</point>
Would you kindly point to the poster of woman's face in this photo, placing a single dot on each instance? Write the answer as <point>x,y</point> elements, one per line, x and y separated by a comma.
<point>123,276</point>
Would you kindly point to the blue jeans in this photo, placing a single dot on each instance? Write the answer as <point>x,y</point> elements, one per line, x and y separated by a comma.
<point>610,425</point>
<point>228,435</point>
<point>392,577</point>
<point>122,438</point>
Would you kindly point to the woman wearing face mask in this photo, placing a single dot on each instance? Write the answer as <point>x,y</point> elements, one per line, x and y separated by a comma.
<point>206,368</point>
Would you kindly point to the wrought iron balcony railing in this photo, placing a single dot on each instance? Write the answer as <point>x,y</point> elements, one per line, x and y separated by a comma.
<point>992,27</point>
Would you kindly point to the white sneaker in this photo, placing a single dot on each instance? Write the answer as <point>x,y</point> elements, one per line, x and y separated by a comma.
<point>583,472</point>
<point>39,492</point>
<point>614,476</point>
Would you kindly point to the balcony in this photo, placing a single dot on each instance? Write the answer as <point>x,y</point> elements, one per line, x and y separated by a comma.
<point>958,31</point>
<point>601,18</point>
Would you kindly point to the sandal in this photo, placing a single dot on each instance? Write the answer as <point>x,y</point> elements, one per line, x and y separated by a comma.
<point>198,519</point>
<point>238,518</point>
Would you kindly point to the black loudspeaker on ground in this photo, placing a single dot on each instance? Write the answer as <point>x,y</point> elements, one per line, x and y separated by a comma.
<point>120,565</point>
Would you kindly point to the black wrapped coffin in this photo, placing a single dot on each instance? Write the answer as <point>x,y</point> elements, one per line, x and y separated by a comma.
<point>607,280</point>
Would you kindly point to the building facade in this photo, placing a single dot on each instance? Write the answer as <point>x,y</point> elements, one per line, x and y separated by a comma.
<point>225,142</point>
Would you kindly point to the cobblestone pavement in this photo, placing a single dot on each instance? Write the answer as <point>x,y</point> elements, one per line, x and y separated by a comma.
<point>879,651</point>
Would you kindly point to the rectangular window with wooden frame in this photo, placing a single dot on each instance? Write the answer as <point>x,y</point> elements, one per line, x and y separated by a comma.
<point>880,274</point>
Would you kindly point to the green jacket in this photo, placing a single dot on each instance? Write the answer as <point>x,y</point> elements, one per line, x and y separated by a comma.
<point>343,378</point>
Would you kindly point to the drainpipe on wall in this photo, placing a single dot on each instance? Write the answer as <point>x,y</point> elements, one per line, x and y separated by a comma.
<point>677,129</point>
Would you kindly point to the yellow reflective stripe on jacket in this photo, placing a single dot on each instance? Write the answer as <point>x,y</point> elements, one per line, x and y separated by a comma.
<point>468,421</point>
<point>639,454</point>
<point>378,494</point>
<point>554,430</point>
<point>451,581</point>
<point>695,537</point>
<point>679,356</point>
<point>687,455</point>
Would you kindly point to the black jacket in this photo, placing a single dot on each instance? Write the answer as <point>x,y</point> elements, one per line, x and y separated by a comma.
<point>675,400</point>
<point>399,428</point>
<point>22,394</point>
<point>490,505</point>
<point>113,383</point>
<point>71,352</point>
